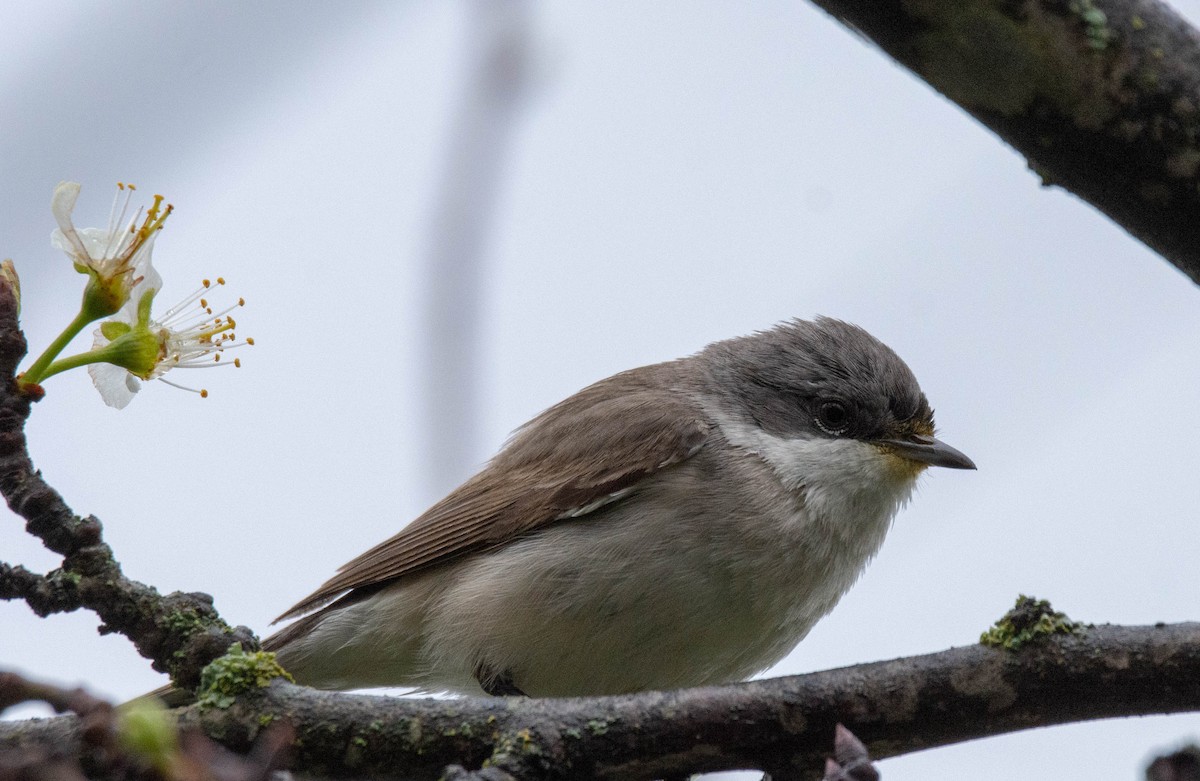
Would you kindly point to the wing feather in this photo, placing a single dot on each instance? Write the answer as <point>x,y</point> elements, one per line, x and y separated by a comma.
<point>582,454</point>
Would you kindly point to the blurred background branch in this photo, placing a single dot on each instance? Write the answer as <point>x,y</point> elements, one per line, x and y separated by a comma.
<point>499,62</point>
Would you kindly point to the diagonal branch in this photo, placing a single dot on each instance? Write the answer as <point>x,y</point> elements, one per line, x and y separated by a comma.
<point>180,633</point>
<point>1101,96</point>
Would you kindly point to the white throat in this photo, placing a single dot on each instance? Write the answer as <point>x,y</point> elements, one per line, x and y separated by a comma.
<point>852,487</point>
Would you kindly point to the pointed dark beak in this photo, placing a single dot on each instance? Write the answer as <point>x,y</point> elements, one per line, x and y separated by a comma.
<point>928,450</point>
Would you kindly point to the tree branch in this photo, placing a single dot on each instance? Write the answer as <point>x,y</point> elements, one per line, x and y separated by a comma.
<point>783,726</point>
<point>57,592</point>
<point>135,747</point>
<point>180,633</point>
<point>1101,96</point>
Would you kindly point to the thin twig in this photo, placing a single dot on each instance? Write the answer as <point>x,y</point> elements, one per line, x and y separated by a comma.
<point>180,633</point>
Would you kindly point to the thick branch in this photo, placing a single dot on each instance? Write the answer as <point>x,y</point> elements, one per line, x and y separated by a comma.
<point>180,633</point>
<point>783,726</point>
<point>1101,96</point>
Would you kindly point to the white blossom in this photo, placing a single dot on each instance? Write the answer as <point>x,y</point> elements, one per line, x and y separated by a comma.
<point>187,336</point>
<point>116,257</point>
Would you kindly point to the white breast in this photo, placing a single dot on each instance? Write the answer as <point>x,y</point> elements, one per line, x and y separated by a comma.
<point>851,487</point>
<point>851,492</point>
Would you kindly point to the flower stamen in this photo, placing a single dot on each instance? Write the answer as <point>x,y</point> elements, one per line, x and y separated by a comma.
<point>181,339</point>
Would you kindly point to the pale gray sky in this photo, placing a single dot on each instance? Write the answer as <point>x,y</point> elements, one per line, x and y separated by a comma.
<point>683,173</point>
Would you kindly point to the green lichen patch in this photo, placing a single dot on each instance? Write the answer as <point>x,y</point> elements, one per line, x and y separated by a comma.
<point>1030,620</point>
<point>185,621</point>
<point>74,578</point>
<point>235,673</point>
<point>1095,24</point>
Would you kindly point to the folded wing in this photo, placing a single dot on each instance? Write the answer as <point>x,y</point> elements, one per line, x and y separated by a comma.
<point>587,451</point>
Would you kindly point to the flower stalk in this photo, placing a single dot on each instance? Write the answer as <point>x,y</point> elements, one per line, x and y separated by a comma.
<point>39,370</point>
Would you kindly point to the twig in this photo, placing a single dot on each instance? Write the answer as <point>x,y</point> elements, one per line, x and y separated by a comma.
<point>57,592</point>
<point>145,750</point>
<point>1180,765</point>
<point>180,633</point>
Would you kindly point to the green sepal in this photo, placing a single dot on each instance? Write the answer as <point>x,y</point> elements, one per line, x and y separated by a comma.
<point>114,329</point>
<point>138,351</point>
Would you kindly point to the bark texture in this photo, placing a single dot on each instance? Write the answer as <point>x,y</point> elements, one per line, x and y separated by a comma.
<point>180,633</point>
<point>783,726</point>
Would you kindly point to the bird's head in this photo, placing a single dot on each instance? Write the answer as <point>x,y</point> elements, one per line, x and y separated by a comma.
<point>829,380</point>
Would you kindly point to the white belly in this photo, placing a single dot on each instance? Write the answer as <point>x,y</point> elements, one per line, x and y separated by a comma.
<point>720,588</point>
<point>620,603</point>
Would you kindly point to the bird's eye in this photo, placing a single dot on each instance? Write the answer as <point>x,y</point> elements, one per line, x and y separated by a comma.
<point>833,418</point>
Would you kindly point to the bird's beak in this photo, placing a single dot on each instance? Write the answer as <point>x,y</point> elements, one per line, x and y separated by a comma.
<point>928,450</point>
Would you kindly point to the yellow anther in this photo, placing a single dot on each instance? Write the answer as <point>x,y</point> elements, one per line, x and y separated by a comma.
<point>203,304</point>
<point>220,280</point>
<point>203,393</point>
<point>205,282</point>
<point>250,340</point>
<point>241,302</point>
<point>155,217</point>
<point>237,362</point>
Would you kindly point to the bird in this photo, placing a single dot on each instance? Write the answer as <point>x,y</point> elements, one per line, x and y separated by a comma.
<point>680,524</point>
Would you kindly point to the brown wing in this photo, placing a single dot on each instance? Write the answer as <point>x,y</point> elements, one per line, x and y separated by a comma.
<point>572,459</point>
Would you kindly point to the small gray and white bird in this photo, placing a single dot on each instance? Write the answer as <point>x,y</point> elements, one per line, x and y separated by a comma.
<point>675,525</point>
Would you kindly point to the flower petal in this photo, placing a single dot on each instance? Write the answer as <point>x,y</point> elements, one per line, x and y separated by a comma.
<point>117,386</point>
<point>62,203</point>
<point>144,268</point>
